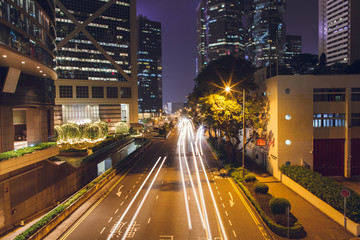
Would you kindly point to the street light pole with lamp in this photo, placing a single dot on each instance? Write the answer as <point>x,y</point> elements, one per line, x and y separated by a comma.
<point>228,89</point>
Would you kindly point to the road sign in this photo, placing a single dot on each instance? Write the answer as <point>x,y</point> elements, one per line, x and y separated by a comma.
<point>345,193</point>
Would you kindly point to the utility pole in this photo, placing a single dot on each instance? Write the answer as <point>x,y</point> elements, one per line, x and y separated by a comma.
<point>244,132</point>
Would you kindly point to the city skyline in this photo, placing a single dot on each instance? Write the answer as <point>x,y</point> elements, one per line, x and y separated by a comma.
<point>180,53</point>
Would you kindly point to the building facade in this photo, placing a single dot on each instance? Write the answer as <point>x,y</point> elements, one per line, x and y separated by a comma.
<point>27,45</point>
<point>293,47</point>
<point>265,32</point>
<point>322,134</point>
<point>220,30</point>
<point>149,66</point>
<point>96,61</point>
<point>339,30</point>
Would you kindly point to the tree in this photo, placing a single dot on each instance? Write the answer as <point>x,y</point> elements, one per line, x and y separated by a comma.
<point>304,63</point>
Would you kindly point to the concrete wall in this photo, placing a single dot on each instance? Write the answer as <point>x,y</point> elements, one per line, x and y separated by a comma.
<point>31,189</point>
<point>6,129</point>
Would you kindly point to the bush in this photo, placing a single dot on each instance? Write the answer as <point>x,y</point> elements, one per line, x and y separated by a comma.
<point>326,189</point>
<point>250,178</point>
<point>122,128</point>
<point>279,205</point>
<point>261,188</point>
<point>22,151</point>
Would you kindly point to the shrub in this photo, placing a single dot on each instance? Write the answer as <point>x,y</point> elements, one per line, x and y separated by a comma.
<point>250,178</point>
<point>27,150</point>
<point>261,188</point>
<point>103,128</point>
<point>92,131</point>
<point>121,127</point>
<point>324,188</point>
<point>279,205</point>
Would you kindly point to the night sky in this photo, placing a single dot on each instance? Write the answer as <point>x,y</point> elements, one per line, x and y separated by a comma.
<point>178,20</point>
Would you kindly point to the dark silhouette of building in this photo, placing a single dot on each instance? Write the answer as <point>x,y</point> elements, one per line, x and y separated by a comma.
<point>220,30</point>
<point>266,32</point>
<point>293,48</point>
<point>149,66</point>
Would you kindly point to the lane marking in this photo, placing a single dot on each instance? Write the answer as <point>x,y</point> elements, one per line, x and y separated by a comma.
<point>226,213</point>
<point>230,222</point>
<point>80,220</point>
<point>149,220</point>
<point>157,197</point>
<point>261,229</point>
<point>133,200</point>
<point>102,230</point>
<point>121,204</point>
<point>116,211</point>
<point>142,202</point>
<point>234,233</point>
<point>110,219</point>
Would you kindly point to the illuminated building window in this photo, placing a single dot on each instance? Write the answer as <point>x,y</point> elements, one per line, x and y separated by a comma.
<point>125,92</point>
<point>80,113</point>
<point>97,92</point>
<point>329,120</point>
<point>329,94</point>
<point>65,92</point>
<point>82,92</point>
<point>112,92</point>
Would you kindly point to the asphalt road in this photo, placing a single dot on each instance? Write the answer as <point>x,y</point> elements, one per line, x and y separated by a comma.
<point>167,195</point>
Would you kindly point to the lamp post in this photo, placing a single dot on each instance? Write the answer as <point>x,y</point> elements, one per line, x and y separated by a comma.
<point>244,132</point>
<point>228,89</point>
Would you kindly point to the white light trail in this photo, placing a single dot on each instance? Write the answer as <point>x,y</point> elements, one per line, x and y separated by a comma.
<point>201,193</point>
<point>213,199</point>
<point>137,193</point>
<point>185,194</point>
<point>143,200</point>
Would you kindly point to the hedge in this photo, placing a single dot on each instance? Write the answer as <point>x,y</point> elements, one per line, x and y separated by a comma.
<point>22,151</point>
<point>326,189</point>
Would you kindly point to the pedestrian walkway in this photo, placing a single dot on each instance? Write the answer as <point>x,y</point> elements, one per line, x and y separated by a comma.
<point>317,225</point>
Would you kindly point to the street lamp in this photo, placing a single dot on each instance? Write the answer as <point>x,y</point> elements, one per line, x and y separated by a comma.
<point>228,89</point>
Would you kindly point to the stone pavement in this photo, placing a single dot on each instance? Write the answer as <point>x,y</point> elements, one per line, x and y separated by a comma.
<point>317,225</point>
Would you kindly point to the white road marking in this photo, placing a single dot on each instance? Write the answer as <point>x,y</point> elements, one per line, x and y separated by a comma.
<point>126,196</point>
<point>230,222</point>
<point>149,220</point>
<point>110,219</point>
<point>119,192</point>
<point>234,233</point>
<point>221,198</point>
<point>223,205</point>
<point>121,204</point>
<point>102,230</point>
<point>226,213</point>
<point>116,211</point>
<point>157,196</point>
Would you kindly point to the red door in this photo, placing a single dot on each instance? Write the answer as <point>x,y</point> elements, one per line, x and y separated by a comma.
<point>329,156</point>
<point>355,156</point>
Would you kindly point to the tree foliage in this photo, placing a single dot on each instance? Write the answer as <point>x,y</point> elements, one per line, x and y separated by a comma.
<point>222,111</point>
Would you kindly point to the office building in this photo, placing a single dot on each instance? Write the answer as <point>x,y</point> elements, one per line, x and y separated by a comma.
<point>266,32</point>
<point>27,46</point>
<point>339,30</point>
<point>293,47</point>
<point>96,61</point>
<point>149,66</point>
<point>219,30</point>
<point>314,122</point>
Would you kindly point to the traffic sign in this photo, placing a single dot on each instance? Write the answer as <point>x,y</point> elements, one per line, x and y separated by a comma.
<point>345,193</point>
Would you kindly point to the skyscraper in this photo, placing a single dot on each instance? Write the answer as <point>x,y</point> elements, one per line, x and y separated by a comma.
<point>293,47</point>
<point>27,47</point>
<point>97,61</point>
<point>339,30</point>
<point>219,29</point>
<point>149,66</point>
<point>266,32</point>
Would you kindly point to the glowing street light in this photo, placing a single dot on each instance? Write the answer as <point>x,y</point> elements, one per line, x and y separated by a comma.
<point>227,89</point>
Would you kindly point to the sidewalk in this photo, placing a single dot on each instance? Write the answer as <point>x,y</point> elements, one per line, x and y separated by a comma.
<point>317,225</point>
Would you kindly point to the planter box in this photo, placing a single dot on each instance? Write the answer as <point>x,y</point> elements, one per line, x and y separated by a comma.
<point>334,214</point>
<point>74,154</point>
<point>28,159</point>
